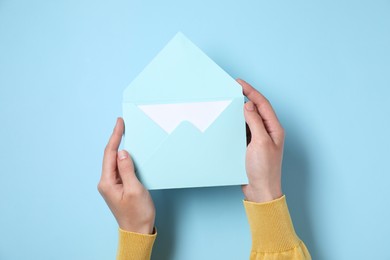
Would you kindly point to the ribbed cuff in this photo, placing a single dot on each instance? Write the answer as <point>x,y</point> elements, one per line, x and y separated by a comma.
<point>271,226</point>
<point>135,245</point>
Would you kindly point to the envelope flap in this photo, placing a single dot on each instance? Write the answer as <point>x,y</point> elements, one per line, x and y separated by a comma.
<point>181,72</point>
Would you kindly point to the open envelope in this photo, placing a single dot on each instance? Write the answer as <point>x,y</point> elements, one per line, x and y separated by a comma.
<point>184,122</point>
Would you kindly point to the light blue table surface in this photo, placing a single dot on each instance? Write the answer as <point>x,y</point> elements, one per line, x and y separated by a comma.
<point>324,65</point>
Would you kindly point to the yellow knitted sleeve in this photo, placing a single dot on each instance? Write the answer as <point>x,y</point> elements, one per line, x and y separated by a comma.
<point>273,234</point>
<point>135,246</point>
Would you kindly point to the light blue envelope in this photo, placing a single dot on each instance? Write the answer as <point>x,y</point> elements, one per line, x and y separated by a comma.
<point>184,122</point>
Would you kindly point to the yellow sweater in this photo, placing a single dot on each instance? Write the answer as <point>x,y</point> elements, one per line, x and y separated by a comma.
<point>273,235</point>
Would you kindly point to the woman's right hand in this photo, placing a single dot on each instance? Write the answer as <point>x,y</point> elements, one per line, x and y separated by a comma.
<point>264,153</point>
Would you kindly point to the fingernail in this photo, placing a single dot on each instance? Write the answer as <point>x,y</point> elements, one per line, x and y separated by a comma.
<point>122,155</point>
<point>249,106</point>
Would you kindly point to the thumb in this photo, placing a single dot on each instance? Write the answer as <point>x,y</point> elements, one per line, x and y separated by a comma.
<point>255,122</point>
<point>126,169</point>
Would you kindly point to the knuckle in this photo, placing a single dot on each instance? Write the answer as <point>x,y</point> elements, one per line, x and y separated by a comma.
<point>265,105</point>
<point>102,187</point>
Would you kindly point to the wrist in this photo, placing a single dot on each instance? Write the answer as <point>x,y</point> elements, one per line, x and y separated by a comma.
<point>262,194</point>
<point>147,228</point>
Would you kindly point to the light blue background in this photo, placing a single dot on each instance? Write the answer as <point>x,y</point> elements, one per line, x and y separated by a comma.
<point>325,66</point>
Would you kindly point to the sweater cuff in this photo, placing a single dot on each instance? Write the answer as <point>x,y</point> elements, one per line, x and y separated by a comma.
<point>271,226</point>
<point>135,245</point>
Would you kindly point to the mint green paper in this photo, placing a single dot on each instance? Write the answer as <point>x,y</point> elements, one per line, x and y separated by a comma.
<point>182,73</point>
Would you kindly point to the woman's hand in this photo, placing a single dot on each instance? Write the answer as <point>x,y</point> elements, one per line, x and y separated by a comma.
<point>265,150</point>
<point>126,197</point>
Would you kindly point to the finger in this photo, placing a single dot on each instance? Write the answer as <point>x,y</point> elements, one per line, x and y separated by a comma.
<point>115,139</point>
<point>271,122</point>
<point>255,123</point>
<point>126,170</point>
<point>110,152</point>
